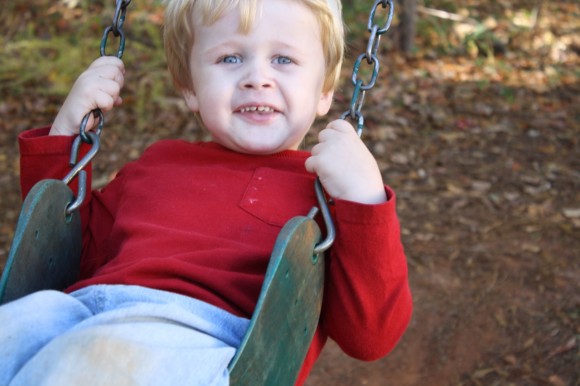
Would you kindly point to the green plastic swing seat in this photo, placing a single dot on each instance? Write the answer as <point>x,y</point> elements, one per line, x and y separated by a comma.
<point>45,255</point>
<point>46,247</point>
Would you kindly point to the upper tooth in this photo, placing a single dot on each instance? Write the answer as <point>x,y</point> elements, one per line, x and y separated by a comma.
<point>256,108</point>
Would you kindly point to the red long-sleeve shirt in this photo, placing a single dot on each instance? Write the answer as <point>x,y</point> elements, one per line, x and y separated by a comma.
<point>201,220</point>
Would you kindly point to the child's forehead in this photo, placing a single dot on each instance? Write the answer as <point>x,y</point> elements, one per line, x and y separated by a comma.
<point>207,12</point>
<point>289,26</point>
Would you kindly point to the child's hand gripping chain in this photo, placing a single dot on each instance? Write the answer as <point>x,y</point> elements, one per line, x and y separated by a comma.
<point>346,168</point>
<point>98,87</point>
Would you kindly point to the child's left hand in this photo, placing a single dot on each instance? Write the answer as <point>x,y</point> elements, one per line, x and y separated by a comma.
<point>346,168</point>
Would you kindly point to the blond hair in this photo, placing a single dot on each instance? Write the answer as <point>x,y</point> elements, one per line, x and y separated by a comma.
<point>180,16</point>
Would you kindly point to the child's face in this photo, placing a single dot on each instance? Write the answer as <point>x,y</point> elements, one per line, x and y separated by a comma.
<point>260,92</point>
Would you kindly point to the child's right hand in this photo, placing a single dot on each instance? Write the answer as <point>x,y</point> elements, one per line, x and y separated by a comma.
<point>98,87</point>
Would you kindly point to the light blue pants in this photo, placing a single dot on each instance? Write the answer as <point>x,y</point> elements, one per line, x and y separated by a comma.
<point>116,335</point>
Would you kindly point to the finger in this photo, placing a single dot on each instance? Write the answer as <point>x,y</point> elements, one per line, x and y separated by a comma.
<point>108,72</point>
<point>105,101</point>
<point>316,149</point>
<point>341,125</point>
<point>336,129</point>
<point>324,135</point>
<point>104,61</point>
<point>329,134</point>
<point>333,138</point>
<point>310,165</point>
<point>120,79</point>
<point>107,79</point>
<point>110,87</point>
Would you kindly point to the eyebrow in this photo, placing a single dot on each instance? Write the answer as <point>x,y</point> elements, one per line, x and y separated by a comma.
<point>234,45</point>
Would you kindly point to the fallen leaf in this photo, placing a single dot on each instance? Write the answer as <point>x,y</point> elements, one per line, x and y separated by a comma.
<point>481,186</point>
<point>557,381</point>
<point>571,212</point>
<point>527,247</point>
<point>483,372</point>
<point>569,345</point>
<point>500,318</point>
<point>510,359</point>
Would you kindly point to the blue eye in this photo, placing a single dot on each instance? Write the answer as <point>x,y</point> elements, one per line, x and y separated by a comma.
<point>283,60</point>
<point>231,59</point>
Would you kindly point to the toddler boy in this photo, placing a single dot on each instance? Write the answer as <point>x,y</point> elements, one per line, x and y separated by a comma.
<point>175,248</point>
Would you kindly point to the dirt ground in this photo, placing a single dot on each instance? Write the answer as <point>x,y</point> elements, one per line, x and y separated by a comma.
<point>484,155</point>
<point>489,211</point>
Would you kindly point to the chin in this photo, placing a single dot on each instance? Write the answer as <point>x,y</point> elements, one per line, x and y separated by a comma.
<point>262,148</point>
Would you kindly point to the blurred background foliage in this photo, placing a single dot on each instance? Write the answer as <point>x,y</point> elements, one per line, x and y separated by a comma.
<point>48,43</point>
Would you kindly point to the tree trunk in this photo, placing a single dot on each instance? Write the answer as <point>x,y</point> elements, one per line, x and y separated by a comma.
<point>407,25</point>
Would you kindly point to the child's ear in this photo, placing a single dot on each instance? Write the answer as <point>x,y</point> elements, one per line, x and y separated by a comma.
<point>191,100</point>
<point>324,103</point>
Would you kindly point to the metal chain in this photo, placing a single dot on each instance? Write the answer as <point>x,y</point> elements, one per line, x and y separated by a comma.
<point>116,28</point>
<point>92,137</point>
<point>371,59</point>
<point>356,104</point>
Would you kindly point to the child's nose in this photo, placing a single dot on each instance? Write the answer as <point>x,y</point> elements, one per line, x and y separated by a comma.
<point>258,76</point>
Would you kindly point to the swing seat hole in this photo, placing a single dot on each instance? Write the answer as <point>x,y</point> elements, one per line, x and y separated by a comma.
<point>50,262</point>
<point>36,234</point>
<point>287,274</point>
<point>315,258</point>
<point>305,332</point>
<point>68,216</point>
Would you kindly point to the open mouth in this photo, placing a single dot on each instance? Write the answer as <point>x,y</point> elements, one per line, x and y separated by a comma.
<point>257,109</point>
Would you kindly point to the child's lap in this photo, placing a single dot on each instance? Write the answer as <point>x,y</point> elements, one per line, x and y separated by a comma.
<point>110,335</point>
<point>145,351</point>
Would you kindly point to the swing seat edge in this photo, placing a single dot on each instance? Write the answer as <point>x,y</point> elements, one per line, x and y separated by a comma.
<point>46,248</point>
<point>287,312</point>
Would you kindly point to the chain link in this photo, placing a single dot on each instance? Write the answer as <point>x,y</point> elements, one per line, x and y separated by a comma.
<point>391,10</point>
<point>119,18</point>
<point>116,28</point>
<point>92,137</point>
<point>370,56</point>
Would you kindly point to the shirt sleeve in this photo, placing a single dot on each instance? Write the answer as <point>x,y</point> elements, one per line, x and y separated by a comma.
<point>367,304</point>
<point>47,157</point>
<point>44,157</point>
